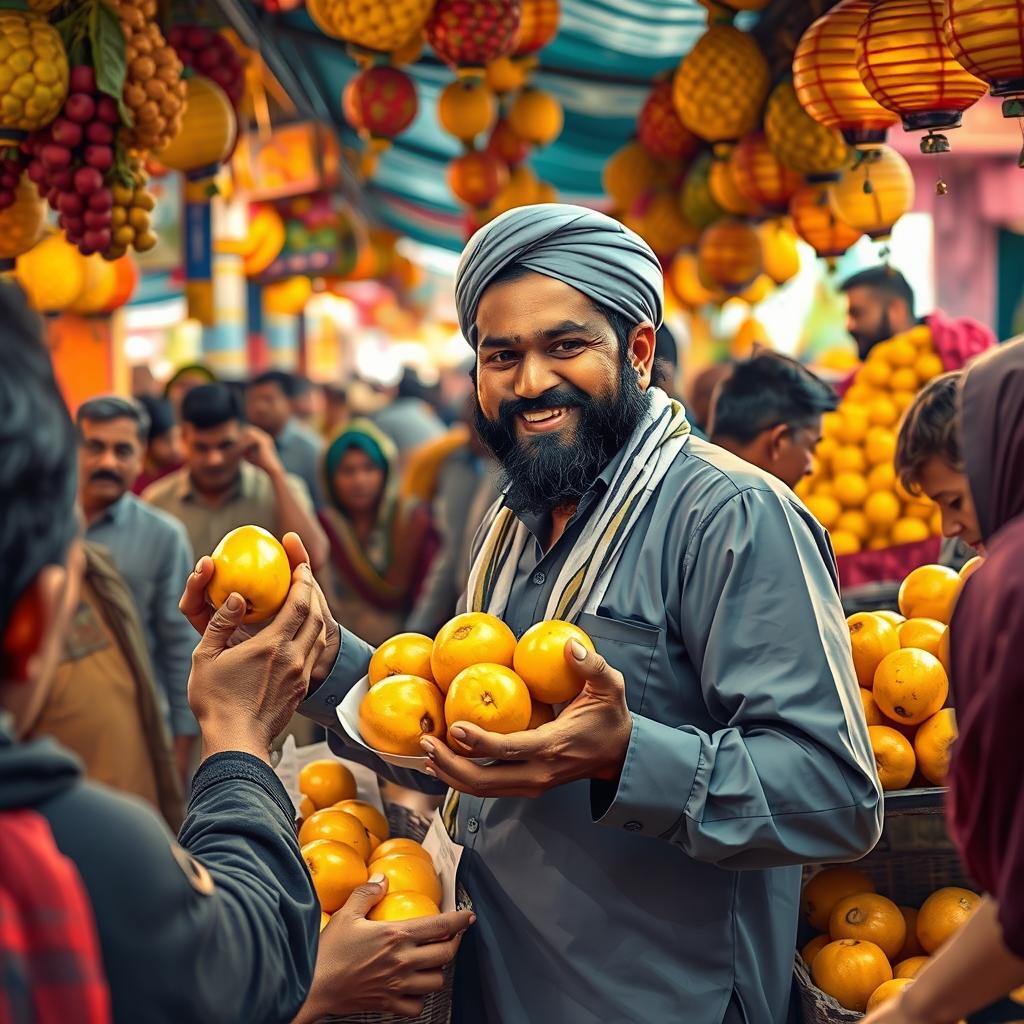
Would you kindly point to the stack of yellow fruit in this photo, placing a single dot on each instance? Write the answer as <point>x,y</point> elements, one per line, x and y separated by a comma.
<point>344,840</point>
<point>854,492</point>
<point>902,665</point>
<point>870,948</point>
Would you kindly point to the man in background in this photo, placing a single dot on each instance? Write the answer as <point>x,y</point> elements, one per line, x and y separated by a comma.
<point>233,477</point>
<point>768,412</point>
<point>150,549</point>
<point>307,401</point>
<point>336,411</point>
<point>268,405</point>
<point>163,446</point>
<point>407,418</point>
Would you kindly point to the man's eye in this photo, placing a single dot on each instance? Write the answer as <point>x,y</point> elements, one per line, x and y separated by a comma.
<point>956,504</point>
<point>506,356</point>
<point>571,345</point>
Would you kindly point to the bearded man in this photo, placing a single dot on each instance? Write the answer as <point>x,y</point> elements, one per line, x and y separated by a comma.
<point>638,859</point>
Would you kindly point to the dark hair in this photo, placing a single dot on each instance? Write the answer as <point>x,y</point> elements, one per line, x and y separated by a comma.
<point>38,462</point>
<point>211,405</point>
<point>285,381</point>
<point>161,415</point>
<point>764,391</point>
<point>335,393</point>
<point>301,385</point>
<point>887,280</point>
<point>930,430</point>
<point>107,408</point>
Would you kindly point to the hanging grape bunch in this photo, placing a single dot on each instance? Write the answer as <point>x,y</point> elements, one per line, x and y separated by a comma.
<point>133,204</point>
<point>208,52</point>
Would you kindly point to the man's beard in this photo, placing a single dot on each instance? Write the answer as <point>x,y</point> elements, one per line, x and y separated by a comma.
<point>546,472</point>
<point>866,342</point>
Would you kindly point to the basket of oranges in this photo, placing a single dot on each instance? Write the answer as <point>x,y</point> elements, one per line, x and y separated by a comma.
<point>474,671</point>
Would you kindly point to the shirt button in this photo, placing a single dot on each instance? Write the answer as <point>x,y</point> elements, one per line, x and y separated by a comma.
<point>333,701</point>
<point>473,825</point>
<point>539,578</point>
<point>633,826</point>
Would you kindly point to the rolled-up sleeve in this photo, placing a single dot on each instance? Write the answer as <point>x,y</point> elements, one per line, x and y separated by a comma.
<point>788,777</point>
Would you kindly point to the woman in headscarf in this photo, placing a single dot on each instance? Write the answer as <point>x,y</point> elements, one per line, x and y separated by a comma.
<point>985,960</point>
<point>381,544</point>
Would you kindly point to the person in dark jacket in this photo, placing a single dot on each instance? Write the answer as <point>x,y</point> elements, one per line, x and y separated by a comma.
<point>222,925</point>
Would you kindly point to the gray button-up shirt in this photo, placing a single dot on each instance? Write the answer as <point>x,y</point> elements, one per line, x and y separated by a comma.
<point>152,553</point>
<point>674,895</point>
<point>300,452</point>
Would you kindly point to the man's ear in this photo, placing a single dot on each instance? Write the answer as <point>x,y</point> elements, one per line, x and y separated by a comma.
<point>641,352</point>
<point>776,439</point>
<point>34,614</point>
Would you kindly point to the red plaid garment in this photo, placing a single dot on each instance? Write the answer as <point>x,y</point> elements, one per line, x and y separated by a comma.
<point>50,966</point>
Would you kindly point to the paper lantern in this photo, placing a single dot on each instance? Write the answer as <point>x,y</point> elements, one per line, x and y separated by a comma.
<point>208,130</point>
<point>726,192</point>
<point>466,107</point>
<point>630,172</point>
<point>696,199</point>
<point>828,83</point>
<point>720,86</point>
<point>729,255</point>
<point>987,38</point>
<point>797,139</point>
<point>264,239</point>
<point>288,297</point>
<point>761,176</point>
<point>538,25</point>
<point>380,102</point>
<point>659,129</point>
<point>98,288</point>
<point>684,281</point>
<point>658,220</point>
<point>875,192</point>
<point>21,223</point>
<point>52,274</point>
<point>476,178</point>
<point>536,116</point>
<point>472,33</point>
<point>371,24</point>
<point>816,222</point>
<point>780,252</point>
<point>906,65</point>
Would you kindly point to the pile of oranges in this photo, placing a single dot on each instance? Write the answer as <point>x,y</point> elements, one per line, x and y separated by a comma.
<point>902,665</point>
<point>474,671</point>
<point>869,948</point>
<point>344,840</point>
<point>854,492</point>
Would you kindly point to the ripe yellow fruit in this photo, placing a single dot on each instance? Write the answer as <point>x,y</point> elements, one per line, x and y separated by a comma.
<point>466,108</point>
<point>871,639</point>
<point>325,782</point>
<point>909,531</point>
<point>854,521</point>
<point>910,686</point>
<point>373,820</point>
<point>252,562</point>
<point>933,745</point>
<point>471,639</point>
<point>844,542</point>
<point>849,458</point>
<point>824,890</point>
<point>824,508</point>
<point>909,968</point>
<point>927,365</point>
<point>911,946</point>
<point>881,477</point>
<point>403,906</point>
<point>33,71</point>
<point>339,826</point>
<point>850,970</point>
<point>894,618</point>
<point>830,425</point>
<point>407,654</point>
<point>872,713</point>
<point>870,917</point>
<point>894,760</point>
<point>336,870</point>
<point>903,399</point>
<point>827,447</point>
<point>901,351</point>
<point>882,412</point>
<point>880,447</point>
<point>877,372</point>
<point>943,914</point>
<point>904,379</point>
<point>882,510</point>
<point>924,634</point>
<point>970,567</point>
<point>851,490</point>
<point>929,592</point>
<point>813,948</point>
<point>853,424</point>
<point>887,992</point>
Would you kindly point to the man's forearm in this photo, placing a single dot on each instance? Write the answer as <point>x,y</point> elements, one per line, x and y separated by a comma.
<point>295,519</point>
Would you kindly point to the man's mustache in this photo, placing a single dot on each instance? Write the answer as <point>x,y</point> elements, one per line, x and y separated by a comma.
<point>557,398</point>
<point>105,474</point>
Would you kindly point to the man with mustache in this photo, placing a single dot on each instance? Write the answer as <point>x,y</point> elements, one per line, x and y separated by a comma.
<point>637,859</point>
<point>150,549</point>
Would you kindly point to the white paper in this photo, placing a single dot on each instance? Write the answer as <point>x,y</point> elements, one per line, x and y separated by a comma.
<point>446,855</point>
<point>294,759</point>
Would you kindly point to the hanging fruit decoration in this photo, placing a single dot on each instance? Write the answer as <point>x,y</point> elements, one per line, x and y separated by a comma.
<point>536,116</point>
<point>875,192</point>
<point>506,145</point>
<point>21,222</point>
<point>725,190</point>
<point>467,108</point>
<point>52,274</point>
<point>380,102</point>
<point>658,220</point>
<point>684,280</point>
<point>817,223</point>
<point>211,54</point>
<point>472,33</point>
<point>370,24</point>
<point>630,172</point>
<point>33,74</point>
<point>827,82</point>
<point>659,129</point>
<point>761,176</point>
<point>907,67</point>
<point>696,199</point>
<point>279,6</point>
<point>729,255</point>
<point>538,25</point>
<point>757,291</point>
<point>779,250</point>
<point>477,177</point>
<point>798,140</point>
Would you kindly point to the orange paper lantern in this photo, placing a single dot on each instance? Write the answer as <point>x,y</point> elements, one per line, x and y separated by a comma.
<point>818,225</point>
<point>875,192</point>
<point>906,65</point>
<point>538,25</point>
<point>725,189</point>
<point>797,139</point>
<point>684,280</point>
<point>658,220</point>
<point>827,81</point>
<point>729,255</point>
<point>987,38</point>
<point>761,176</point>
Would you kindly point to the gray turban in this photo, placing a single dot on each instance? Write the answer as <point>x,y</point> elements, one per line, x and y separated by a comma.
<point>583,248</point>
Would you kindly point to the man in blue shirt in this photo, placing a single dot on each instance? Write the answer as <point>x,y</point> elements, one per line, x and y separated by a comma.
<point>150,549</point>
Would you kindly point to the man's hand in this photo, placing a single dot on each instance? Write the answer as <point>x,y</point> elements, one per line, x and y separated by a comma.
<point>196,607</point>
<point>379,966</point>
<point>260,450</point>
<point>244,695</point>
<point>588,740</point>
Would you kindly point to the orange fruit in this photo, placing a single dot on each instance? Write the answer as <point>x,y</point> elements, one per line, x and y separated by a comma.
<point>929,592</point>
<point>470,639</point>
<point>909,968</point>
<point>943,914</point>
<point>928,365</point>
<point>825,889</point>
<point>824,508</point>
<point>405,847</point>
<point>490,696</point>
<point>306,807</point>
<point>880,446</point>
<point>403,906</point>
<point>251,561</point>
<point>871,639</point>
<point>970,567</point>
<point>373,820</point>
<point>336,870</point>
<point>844,542</point>
<point>324,918</point>
<point>853,423</point>
<point>813,948</point>
<point>910,686</point>
<point>870,917</point>
<point>903,379</point>
<point>398,712</point>
<point>882,477</point>
<point>849,970</point>
<point>909,531</point>
<point>407,873</point>
<point>1017,995</point>
<point>893,618</point>
<point>924,634</point>
<point>882,510</point>
<point>943,654</point>
<point>894,756</point>
<point>849,458</point>
<point>407,654</point>
<point>911,947</point>
<point>933,745</point>
<point>851,490</point>
<point>540,715</point>
<point>540,661</point>
<point>340,826</point>
<point>887,992</point>
<point>871,713</point>
<point>374,843</point>
<point>325,782</point>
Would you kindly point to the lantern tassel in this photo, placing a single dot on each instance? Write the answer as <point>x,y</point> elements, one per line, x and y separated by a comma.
<point>941,188</point>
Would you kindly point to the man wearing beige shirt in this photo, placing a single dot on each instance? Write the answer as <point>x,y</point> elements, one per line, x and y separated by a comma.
<point>233,477</point>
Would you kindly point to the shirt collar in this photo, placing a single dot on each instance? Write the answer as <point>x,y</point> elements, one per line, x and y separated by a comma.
<point>244,486</point>
<point>288,433</point>
<point>115,511</point>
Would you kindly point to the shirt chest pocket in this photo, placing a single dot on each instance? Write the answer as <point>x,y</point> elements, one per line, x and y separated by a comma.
<point>630,647</point>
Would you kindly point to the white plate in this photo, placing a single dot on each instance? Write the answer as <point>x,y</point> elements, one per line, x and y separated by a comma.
<point>348,715</point>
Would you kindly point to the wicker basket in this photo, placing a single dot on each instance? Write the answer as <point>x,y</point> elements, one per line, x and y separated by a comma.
<point>437,1007</point>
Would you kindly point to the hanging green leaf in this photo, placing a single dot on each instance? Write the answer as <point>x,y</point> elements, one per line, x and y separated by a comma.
<point>109,57</point>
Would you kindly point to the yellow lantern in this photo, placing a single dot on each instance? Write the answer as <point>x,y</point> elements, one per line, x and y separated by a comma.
<point>696,199</point>
<point>987,38</point>
<point>797,139</point>
<point>729,255</point>
<point>828,83</point>
<point>21,223</point>
<point>536,116</point>
<point>684,280</point>
<point>761,176</point>
<point>906,65</point>
<point>52,274</point>
<point>264,240</point>
<point>288,297</point>
<point>466,108</point>
<point>630,172</point>
<point>98,288</point>
<point>816,222</point>
<point>538,25</point>
<point>779,248</point>
<point>726,192</point>
<point>370,23</point>
<point>875,192</point>
<point>208,130</point>
<point>657,219</point>
<point>720,86</point>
